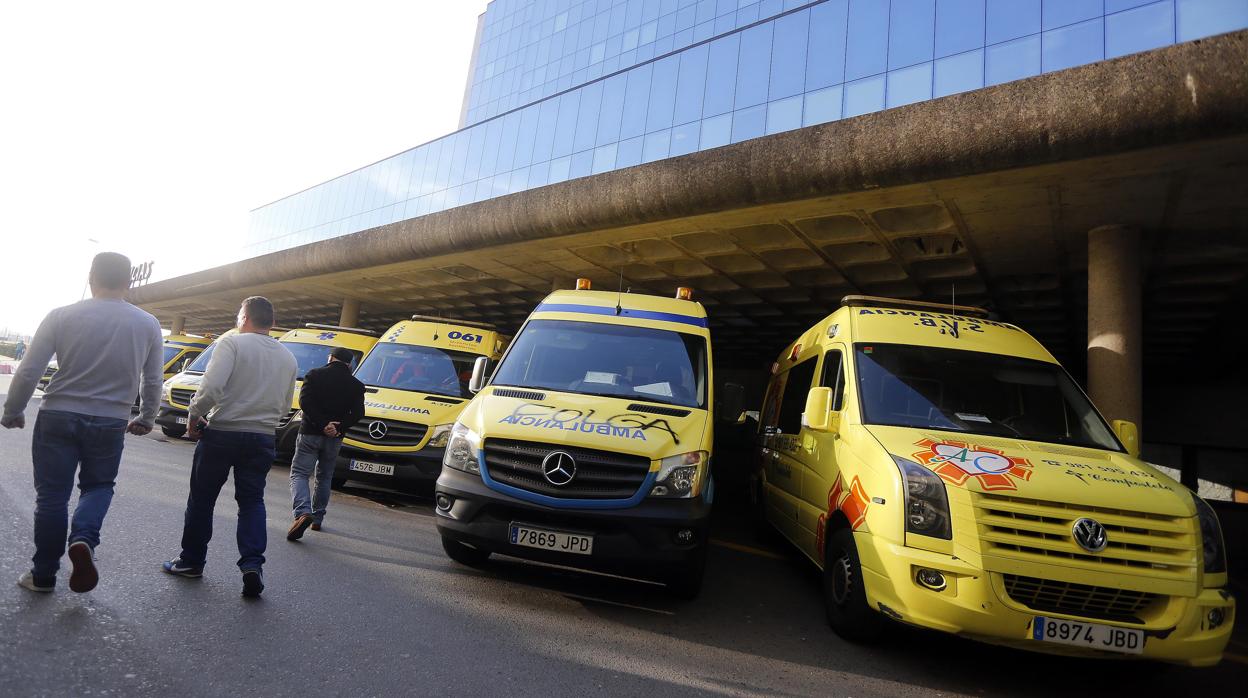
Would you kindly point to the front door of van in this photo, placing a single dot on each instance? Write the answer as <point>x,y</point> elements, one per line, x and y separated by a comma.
<point>821,469</point>
<point>785,445</point>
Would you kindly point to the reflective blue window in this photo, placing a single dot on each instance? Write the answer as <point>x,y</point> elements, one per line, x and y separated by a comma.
<point>825,59</point>
<point>753,66</point>
<point>691,85</point>
<point>1010,19</point>
<point>716,131</point>
<point>911,32</point>
<point>614,90</point>
<point>959,73</point>
<point>655,146</point>
<point>910,85</point>
<point>959,26</point>
<point>685,138</point>
<point>721,75</point>
<point>864,96</point>
<point>748,123</point>
<point>546,120</point>
<point>1077,44</point>
<point>784,114</point>
<point>1139,29</point>
<point>867,50</point>
<point>788,55</point>
<point>636,101</point>
<point>1119,5</point>
<point>1013,60</point>
<point>628,153</point>
<point>662,94</point>
<point>587,118</point>
<point>560,168</point>
<point>822,106</point>
<point>604,159</point>
<point>1059,13</point>
<point>1201,18</point>
<point>582,164</point>
<point>526,136</point>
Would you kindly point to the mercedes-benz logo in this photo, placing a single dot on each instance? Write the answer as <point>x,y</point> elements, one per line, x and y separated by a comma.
<point>1090,535</point>
<point>558,468</point>
<point>377,430</point>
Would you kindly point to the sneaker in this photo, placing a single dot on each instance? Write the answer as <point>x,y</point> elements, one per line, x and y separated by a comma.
<point>39,584</point>
<point>84,577</point>
<point>253,583</point>
<point>295,532</point>
<point>316,527</point>
<point>180,569</point>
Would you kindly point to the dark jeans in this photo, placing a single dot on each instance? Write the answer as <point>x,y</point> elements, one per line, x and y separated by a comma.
<point>63,441</point>
<point>250,455</point>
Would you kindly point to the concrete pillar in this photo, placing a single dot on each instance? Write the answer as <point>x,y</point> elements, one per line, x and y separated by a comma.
<point>179,325</point>
<point>1115,341</point>
<point>350,316</point>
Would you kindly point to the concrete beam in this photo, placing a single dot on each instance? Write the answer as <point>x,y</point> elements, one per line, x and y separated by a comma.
<point>1192,91</point>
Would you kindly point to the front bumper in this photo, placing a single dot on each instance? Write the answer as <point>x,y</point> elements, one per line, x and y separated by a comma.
<point>976,605</point>
<point>638,541</point>
<point>168,416</point>
<point>413,470</point>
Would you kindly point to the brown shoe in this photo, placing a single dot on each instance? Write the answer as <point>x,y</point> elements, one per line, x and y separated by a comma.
<point>316,527</point>
<point>298,527</point>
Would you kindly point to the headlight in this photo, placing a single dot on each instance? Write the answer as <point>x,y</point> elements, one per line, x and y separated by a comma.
<point>927,504</point>
<point>166,390</point>
<point>1211,537</point>
<point>681,476</point>
<point>461,450</point>
<point>441,434</point>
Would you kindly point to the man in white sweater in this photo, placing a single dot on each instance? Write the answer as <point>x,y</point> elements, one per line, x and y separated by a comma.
<point>102,346</point>
<point>246,389</point>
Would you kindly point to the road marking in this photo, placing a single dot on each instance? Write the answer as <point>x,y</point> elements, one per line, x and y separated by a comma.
<point>748,549</point>
<point>594,599</point>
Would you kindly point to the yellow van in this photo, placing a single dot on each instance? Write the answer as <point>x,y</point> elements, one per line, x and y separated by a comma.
<point>591,445</point>
<point>944,471</point>
<point>311,346</point>
<point>179,351</point>
<point>417,384</point>
<point>176,394</point>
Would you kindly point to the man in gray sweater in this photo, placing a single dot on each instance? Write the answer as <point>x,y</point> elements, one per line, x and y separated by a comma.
<point>247,387</point>
<point>102,345</point>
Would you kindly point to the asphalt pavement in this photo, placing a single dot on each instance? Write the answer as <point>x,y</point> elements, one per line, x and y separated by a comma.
<point>371,606</point>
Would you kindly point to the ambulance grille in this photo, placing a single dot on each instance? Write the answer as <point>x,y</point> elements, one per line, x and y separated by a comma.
<point>599,474</point>
<point>394,432</point>
<point>1081,600</point>
<point>658,409</point>
<point>181,396</point>
<point>49,371</point>
<point>1040,531</point>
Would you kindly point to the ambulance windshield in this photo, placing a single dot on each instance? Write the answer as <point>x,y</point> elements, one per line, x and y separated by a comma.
<point>592,358</point>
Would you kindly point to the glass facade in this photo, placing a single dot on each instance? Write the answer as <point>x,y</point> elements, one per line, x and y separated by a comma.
<point>569,88</point>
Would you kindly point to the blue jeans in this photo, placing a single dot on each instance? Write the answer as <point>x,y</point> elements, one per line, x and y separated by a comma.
<point>62,442</point>
<point>319,453</point>
<point>250,455</point>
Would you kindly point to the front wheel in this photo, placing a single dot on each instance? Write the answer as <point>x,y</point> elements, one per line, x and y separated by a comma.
<point>845,593</point>
<point>174,432</point>
<point>463,554</point>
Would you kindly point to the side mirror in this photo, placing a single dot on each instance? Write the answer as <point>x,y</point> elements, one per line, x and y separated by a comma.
<point>1129,435</point>
<point>731,403</point>
<point>818,409</point>
<point>479,367</point>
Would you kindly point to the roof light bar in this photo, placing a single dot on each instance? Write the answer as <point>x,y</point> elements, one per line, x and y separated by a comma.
<point>584,284</point>
<point>336,328</point>
<point>684,293</point>
<point>453,321</point>
<point>880,302</point>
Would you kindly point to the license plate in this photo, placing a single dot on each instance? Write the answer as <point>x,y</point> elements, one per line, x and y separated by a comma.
<point>363,466</point>
<point>180,420</point>
<point>1088,635</point>
<point>558,541</point>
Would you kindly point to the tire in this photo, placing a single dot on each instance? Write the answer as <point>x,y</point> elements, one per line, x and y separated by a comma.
<point>464,555</point>
<point>174,432</point>
<point>845,594</point>
<point>337,483</point>
<point>685,582</point>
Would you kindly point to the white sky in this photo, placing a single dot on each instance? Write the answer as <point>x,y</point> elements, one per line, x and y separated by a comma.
<point>154,127</point>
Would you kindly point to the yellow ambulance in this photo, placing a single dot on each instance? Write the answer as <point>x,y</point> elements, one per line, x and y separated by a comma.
<point>944,471</point>
<point>176,394</point>
<point>590,447</point>
<point>311,346</point>
<point>179,351</point>
<point>416,378</point>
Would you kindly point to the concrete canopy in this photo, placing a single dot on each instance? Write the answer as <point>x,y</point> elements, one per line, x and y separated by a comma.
<point>987,194</point>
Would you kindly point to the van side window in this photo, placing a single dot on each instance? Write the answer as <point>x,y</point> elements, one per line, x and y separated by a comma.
<point>796,388</point>
<point>834,377</point>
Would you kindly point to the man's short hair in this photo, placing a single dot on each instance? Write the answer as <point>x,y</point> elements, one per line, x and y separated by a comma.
<point>111,270</point>
<point>259,310</point>
<point>343,354</point>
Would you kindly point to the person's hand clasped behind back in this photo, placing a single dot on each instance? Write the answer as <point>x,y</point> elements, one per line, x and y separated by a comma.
<point>195,429</point>
<point>17,421</point>
<point>331,430</point>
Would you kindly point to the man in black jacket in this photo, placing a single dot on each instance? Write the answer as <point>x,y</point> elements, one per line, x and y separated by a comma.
<point>332,401</point>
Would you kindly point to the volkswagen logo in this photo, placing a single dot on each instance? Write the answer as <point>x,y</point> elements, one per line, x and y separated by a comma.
<point>377,430</point>
<point>1090,535</point>
<point>558,468</point>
